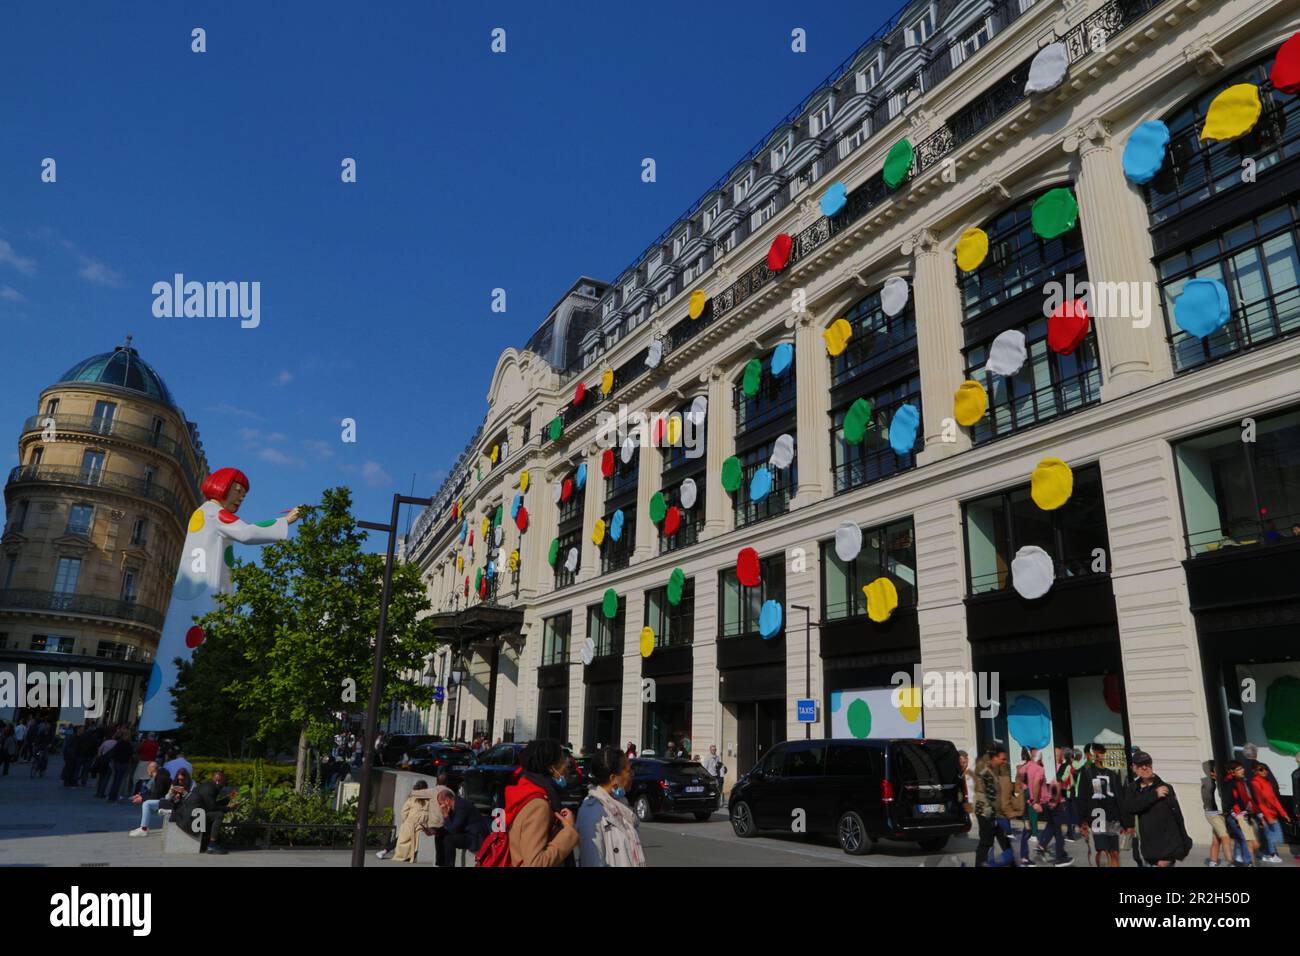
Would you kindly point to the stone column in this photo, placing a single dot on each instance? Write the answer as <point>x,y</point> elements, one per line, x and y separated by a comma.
<point>629,718</point>
<point>720,423</point>
<point>648,466</point>
<point>938,342</point>
<point>1125,307</point>
<point>593,502</point>
<point>941,615</point>
<point>812,444</point>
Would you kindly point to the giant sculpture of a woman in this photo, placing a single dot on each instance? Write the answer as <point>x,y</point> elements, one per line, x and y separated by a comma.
<point>204,572</point>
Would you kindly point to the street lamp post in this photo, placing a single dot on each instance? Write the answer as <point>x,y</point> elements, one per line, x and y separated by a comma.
<point>807,659</point>
<point>376,688</point>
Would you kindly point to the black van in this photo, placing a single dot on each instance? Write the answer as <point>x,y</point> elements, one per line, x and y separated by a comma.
<point>860,790</point>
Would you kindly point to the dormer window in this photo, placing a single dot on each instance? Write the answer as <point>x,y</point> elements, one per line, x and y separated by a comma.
<point>821,120</point>
<point>607,307</point>
<point>656,261</point>
<point>679,242</point>
<point>713,212</point>
<point>869,75</point>
<point>629,288</point>
<point>742,187</point>
<point>781,153</point>
<point>921,29</point>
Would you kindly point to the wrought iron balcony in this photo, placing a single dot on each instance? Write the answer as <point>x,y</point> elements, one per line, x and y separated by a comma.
<point>111,481</point>
<point>112,428</point>
<point>32,600</point>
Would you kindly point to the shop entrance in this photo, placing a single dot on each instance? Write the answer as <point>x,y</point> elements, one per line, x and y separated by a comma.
<point>760,724</point>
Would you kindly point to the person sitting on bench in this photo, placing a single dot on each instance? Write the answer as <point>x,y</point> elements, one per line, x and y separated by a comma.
<point>463,828</point>
<point>159,786</point>
<point>204,809</point>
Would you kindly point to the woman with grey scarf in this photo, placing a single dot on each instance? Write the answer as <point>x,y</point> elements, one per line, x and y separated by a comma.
<point>607,827</point>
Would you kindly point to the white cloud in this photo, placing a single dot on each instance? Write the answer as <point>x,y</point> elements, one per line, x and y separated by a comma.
<point>96,271</point>
<point>277,457</point>
<point>10,294</point>
<point>321,449</point>
<point>375,476</point>
<point>8,256</point>
<point>235,410</point>
<point>284,378</point>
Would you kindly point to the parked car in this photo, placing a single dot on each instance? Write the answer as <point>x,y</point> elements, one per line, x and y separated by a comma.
<point>862,791</point>
<point>398,744</point>
<point>661,785</point>
<point>484,783</point>
<point>437,758</point>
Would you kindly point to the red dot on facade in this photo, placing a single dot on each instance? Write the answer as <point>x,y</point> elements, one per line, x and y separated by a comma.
<point>194,636</point>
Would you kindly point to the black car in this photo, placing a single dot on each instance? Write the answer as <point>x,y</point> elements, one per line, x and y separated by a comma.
<point>439,758</point>
<point>396,745</point>
<point>664,785</point>
<point>485,782</point>
<point>861,791</point>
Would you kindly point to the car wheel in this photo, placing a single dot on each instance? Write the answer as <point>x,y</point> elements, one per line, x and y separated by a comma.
<point>742,820</point>
<point>852,834</point>
<point>643,811</point>
<point>703,815</point>
<point>933,845</point>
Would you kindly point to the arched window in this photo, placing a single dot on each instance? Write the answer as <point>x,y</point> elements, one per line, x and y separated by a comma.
<point>1227,211</point>
<point>1012,290</point>
<point>880,365</point>
<point>760,419</point>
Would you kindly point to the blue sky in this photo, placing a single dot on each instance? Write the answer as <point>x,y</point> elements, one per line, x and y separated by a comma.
<point>475,171</point>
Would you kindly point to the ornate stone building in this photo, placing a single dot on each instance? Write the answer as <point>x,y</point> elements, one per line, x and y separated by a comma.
<point>96,511</point>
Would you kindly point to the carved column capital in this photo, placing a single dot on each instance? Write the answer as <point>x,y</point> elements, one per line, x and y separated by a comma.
<point>1087,136</point>
<point>1200,53</point>
<point>921,242</point>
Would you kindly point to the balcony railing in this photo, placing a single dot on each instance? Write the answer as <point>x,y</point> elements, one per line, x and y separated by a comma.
<point>27,599</point>
<point>111,481</point>
<point>112,428</point>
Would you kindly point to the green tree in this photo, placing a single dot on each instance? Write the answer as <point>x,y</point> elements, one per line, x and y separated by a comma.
<point>304,621</point>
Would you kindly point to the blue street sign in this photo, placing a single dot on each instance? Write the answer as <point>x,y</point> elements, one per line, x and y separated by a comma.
<point>438,694</point>
<point>807,710</point>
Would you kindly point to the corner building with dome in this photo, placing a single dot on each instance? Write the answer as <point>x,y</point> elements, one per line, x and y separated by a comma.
<point>96,510</point>
<point>905,436</point>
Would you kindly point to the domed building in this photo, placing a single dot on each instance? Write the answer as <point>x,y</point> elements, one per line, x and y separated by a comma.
<point>96,511</point>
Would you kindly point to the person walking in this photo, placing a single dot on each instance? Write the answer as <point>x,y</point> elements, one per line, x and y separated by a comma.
<point>985,805</point>
<point>1049,803</point>
<point>101,765</point>
<point>539,831</point>
<point>1156,816</point>
<point>1221,842</point>
<point>1239,813</point>
<point>607,827</point>
<point>20,729</point>
<point>1030,775</point>
<point>1271,811</point>
<point>71,760</point>
<point>8,749</point>
<point>1101,818</point>
<point>714,768</point>
<point>121,760</point>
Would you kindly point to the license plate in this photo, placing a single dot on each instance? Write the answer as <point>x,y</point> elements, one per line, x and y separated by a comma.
<point>930,808</point>
<point>694,789</point>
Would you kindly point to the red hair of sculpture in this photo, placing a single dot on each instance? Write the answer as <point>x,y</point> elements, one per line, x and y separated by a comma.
<point>217,485</point>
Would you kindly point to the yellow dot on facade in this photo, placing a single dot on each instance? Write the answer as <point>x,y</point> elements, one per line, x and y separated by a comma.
<point>496,453</point>
<point>523,480</point>
<point>837,337</point>
<point>1233,113</point>
<point>674,429</point>
<point>909,703</point>
<point>647,641</point>
<point>882,599</point>
<point>695,308</point>
<point>598,531</point>
<point>607,381</point>
<point>514,560</point>
<point>1051,484</point>
<point>196,521</point>
<point>970,403</point>
<point>972,247</point>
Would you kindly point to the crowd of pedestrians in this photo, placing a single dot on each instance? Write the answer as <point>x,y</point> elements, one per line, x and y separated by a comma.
<point>1079,799</point>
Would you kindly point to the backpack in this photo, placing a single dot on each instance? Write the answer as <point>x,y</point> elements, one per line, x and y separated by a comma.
<point>495,850</point>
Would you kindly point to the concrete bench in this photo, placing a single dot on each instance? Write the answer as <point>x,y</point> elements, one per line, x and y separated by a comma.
<point>176,840</point>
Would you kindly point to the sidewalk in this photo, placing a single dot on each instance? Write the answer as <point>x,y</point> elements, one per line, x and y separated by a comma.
<point>43,823</point>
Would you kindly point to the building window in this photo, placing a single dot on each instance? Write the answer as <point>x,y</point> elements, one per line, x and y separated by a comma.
<point>742,605</point>
<point>888,551</point>
<point>687,458</point>
<point>1000,525</point>
<point>615,555</point>
<point>105,412</point>
<point>555,639</point>
<point>66,574</point>
<point>1047,386</point>
<point>820,121</point>
<point>53,643</point>
<point>1238,493</point>
<point>780,154</point>
<point>742,187</point>
<point>526,427</point>
<point>874,458</point>
<point>19,518</point>
<point>970,41</point>
<point>785,483</point>
<point>869,76</point>
<point>128,586</point>
<point>11,567</point>
<point>1194,172</point>
<point>920,30</point>
<point>568,540</point>
<point>679,242</point>
<point>157,430</point>
<point>763,215</point>
<point>673,626</point>
<point>1257,261</point>
<point>606,634</point>
<point>92,467</point>
<point>760,420</point>
<point>51,407</point>
<point>35,460</point>
<point>712,213</point>
<point>79,519</point>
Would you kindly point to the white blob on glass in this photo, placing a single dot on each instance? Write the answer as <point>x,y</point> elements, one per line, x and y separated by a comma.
<point>894,295</point>
<point>629,449</point>
<point>655,353</point>
<point>588,651</point>
<point>848,541</point>
<point>782,452</point>
<point>500,535</point>
<point>699,408</point>
<point>688,493</point>
<point>1007,354</point>
<point>1048,69</point>
<point>559,490</point>
<point>571,560</point>
<point>1032,572</point>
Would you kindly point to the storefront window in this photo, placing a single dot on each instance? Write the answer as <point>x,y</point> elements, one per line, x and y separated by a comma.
<point>1238,484</point>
